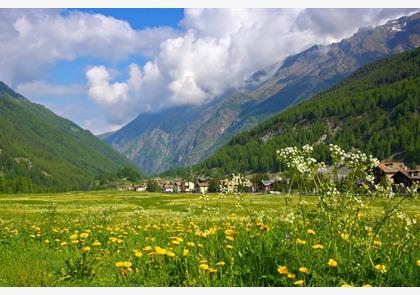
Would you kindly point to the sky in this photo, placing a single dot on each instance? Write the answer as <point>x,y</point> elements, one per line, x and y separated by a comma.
<point>103,67</point>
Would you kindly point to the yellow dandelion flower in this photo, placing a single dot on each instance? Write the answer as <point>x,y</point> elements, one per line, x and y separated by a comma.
<point>84,235</point>
<point>299,282</point>
<point>344,236</point>
<point>190,244</point>
<point>380,268</point>
<point>176,242</point>
<point>86,249</point>
<point>119,264</point>
<point>75,241</point>
<point>229,247</point>
<point>170,254</point>
<point>47,241</point>
<point>203,261</point>
<point>282,270</point>
<point>229,232</point>
<point>148,248</point>
<point>127,264</point>
<point>332,263</point>
<point>291,276</point>
<point>74,237</point>
<point>186,252</point>
<point>418,262</point>
<point>311,232</point>
<point>63,243</point>
<point>160,251</point>
<point>303,269</point>
<point>230,238</point>
<point>377,243</point>
<point>138,253</point>
<point>300,242</point>
<point>96,243</point>
<point>204,266</point>
<point>318,247</point>
<point>220,263</point>
<point>212,270</point>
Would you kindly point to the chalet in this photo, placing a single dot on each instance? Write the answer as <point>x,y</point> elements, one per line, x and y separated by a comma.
<point>177,185</point>
<point>406,178</point>
<point>267,185</point>
<point>141,188</point>
<point>188,187</point>
<point>202,185</point>
<point>386,170</point>
<point>167,188</point>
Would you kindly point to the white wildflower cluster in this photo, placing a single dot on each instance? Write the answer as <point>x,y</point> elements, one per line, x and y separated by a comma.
<point>329,189</point>
<point>290,218</point>
<point>239,182</point>
<point>300,160</point>
<point>355,159</point>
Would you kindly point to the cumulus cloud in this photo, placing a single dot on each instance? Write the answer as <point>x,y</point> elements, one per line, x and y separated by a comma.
<point>219,50</point>
<point>42,88</point>
<point>32,41</point>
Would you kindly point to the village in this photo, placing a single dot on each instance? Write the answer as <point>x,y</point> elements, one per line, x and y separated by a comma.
<point>393,173</point>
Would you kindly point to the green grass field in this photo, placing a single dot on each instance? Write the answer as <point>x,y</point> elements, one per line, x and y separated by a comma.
<point>150,239</point>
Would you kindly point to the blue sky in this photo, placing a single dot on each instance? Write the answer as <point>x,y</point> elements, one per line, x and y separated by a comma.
<point>103,67</point>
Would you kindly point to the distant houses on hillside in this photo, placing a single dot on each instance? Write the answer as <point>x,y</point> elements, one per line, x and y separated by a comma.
<point>394,172</point>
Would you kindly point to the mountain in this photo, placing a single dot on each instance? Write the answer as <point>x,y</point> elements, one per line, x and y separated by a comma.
<point>40,151</point>
<point>185,135</point>
<point>376,110</point>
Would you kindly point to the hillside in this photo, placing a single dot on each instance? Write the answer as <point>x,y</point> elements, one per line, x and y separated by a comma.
<point>186,135</point>
<point>375,110</point>
<point>40,151</point>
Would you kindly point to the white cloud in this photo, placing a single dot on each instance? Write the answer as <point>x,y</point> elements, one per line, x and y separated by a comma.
<point>32,41</point>
<point>41,88</point>
<point>219,50</point>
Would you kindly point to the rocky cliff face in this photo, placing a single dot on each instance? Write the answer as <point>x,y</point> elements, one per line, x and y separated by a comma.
<point>183,136</point>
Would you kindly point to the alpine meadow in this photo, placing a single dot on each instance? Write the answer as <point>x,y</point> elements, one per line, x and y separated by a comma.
<point>210,147</point>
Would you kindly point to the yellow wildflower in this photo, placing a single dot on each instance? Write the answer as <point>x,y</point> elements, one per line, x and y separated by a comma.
<point>418,262</point>
<point>380,268</point>
<point>332,263</point>
<point>148,248</point>
<point>229,246</point>
<point>190,244</point>
<point>204,266</point>
<point>303,269</point>
<point>74,237</point>
<point>291,276</point>
<point>229,232</point>
<point>160,250</point>
<point>119,264</point>
<point>212,270</point>
<point>75,241</point>
<point>230,238</point>
<point>318,246</point>
<point>138,253</point>
<point>63,243</point>
<point>96,243</point>
<point>186,252</point>
<point>344,236</point>
<point>299,282</point>
<point>203,261</point>
<point>282,270</point>
<point>377,243</point>
<point>127,264</point>
<point>220,263</point>
<point>170,254</point>
<point>47,241</point>
<point>84,235</point>
<point>86,249</point>
<point>311,232</point>
<point>300,242</point>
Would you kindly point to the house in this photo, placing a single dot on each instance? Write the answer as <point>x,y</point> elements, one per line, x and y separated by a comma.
<point>188,187</point>
<point>385,170</point>
<point>267,185</point>
<point>202,185</point>
<point>141,188</point>
<point>167,187</point>
<point>227,185</point>
<point>177,185</point>
<point>406,178</point>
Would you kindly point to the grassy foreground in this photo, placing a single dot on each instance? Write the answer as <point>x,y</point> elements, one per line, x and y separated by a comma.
<point>144,239</point>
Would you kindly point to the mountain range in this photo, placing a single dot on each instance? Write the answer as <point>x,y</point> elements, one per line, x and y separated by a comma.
<point>375,110</point>
<point>40,151</point>
<point>186,135</point>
